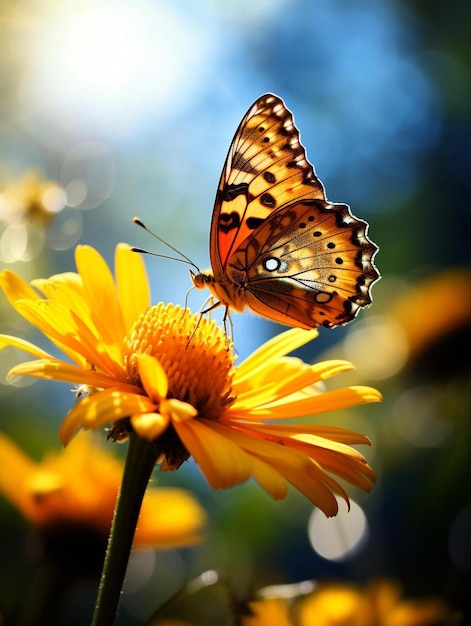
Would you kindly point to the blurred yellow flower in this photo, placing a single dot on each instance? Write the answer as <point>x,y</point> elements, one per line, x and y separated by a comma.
<point>77,488</point>
<point>420,327</point>
<point>170,376</point>
<point>31,198</point>
<point>336,604</point>
<point>267,612</point>
<point>434,308</point>
<point>380,604</point>
<point>341,604</point>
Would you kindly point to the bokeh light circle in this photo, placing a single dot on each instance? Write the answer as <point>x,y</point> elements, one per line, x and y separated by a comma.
<point>341,537</point>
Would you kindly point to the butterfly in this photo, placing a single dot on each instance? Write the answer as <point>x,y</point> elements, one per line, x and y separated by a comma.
<point>277,245</point>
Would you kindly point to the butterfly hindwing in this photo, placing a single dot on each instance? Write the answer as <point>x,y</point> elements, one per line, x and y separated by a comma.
<point>266,168</point>
<point>308,265</point>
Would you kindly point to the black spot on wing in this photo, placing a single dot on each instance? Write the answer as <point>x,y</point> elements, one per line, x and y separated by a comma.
<point>230,192</point>
<point>254,222</point>
<point>228,221</point>
<point>267,200</point>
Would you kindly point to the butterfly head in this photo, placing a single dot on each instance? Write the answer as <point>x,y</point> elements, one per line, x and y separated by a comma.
<point>202,279</point>
<point>228,294</point>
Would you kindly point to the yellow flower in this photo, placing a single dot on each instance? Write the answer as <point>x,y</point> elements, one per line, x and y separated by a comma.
<point>31,198</point>
<point>267,612</point>
<point>77,488</point>
<point>335,604</point>
<point>170,376</point>
<point>412,311</point>
<point>380,604</point>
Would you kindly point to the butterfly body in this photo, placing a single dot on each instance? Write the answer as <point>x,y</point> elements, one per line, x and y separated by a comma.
<point>277,245</point>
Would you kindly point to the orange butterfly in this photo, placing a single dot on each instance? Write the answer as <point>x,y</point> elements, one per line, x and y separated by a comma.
<point>278,246</point>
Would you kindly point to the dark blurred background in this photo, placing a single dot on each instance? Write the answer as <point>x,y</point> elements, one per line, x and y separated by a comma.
<point>113,109</point>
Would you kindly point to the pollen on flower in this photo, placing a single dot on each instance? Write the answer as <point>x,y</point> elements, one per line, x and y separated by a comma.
<point>192,350</point>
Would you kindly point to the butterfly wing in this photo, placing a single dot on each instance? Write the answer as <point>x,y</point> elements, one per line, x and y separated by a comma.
<point>265,169</point>
<point>308,265</point>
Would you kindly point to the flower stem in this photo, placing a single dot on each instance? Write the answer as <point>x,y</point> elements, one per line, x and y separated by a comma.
<point>140,460</point>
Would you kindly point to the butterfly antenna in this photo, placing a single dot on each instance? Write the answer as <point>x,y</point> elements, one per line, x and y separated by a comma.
<point>183,259</point>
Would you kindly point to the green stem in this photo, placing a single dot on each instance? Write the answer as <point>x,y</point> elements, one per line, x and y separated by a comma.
<point>140,461</point>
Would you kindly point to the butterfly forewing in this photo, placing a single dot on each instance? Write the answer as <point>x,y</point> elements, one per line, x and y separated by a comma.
<point>266,168</point>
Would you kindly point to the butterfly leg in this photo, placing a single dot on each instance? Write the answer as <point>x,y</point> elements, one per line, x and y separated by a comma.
<point>227,321</point>
<point>187,296</point>
<point>210,306</point>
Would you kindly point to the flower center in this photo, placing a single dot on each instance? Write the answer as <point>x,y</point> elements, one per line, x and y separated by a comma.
<point>193,352</point>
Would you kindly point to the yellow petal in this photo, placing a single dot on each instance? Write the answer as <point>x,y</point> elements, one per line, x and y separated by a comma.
<point>153,376</point>
<point>312,483</point>
<point>332,433</point>
<point>132,284</point>
<point>15,470</point>
<point>67,288</point>
<point>327,401</point>
<point>277,347</point>
<point>149,425</point>
<point>179,410</point>
<point>16,288</point>
<point>53,369</point>
<point>223,463</point>
<point>102,408</point>
<point>266,612</point>
<point>70,333</point>
<point>269,478</point>
<point>22,344</point>
<point>168,518</point>
<point>282,384</point>
<point>248,439</point>
<point>101,295</point>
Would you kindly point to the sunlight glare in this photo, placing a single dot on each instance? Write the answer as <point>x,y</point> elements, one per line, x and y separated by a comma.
<point>113,66</point>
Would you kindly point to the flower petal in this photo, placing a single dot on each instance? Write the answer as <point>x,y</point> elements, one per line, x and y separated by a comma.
<point>289,381</point>
<point>101,295</point>
<point>132,284</point>
<point>22,344</point>
<point>277,347</point>
<point>16,288</point>
<point>53,369</point>
<point>169,517</point>
<point>179,410</point>
<point>15,470</point>
<point>324,402</point>
<point>66,288</point>
<point>252,442</point>
<point>332,433</point>
<point>153,376</point>
<point>71,334</point>
<point>223,463</point>
<point>149,425</point>
<point>269,478</point>
<point>295,466</point>
<point>102,408</point>
<point>314,484</point>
